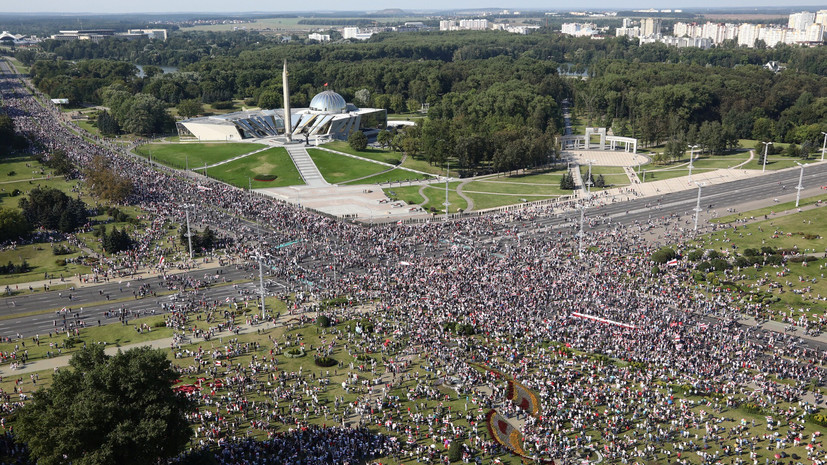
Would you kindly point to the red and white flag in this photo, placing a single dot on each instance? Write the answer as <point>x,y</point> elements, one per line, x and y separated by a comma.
<point>218,363</point>
<point>673,262</point>
<point>161,261</point>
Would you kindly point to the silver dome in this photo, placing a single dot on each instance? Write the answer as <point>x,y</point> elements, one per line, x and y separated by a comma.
<point>328,102</point>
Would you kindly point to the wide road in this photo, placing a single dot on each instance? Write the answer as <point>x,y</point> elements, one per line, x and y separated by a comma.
<point>93,298</point>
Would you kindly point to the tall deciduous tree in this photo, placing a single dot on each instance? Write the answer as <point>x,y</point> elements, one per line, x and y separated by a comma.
<point>106,182</point>
<point>117,409</point>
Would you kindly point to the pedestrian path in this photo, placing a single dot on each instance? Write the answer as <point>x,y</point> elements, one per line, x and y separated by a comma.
<point>579,185</point>
<point>243,155</point>
<point>307,169</point>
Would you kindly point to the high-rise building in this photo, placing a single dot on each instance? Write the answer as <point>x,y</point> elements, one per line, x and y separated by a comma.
<point>651,26</point>
<point>821,17</point>
<point>800,21</point>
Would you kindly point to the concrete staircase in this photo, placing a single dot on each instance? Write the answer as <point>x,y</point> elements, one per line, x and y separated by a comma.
<point>311,175</point>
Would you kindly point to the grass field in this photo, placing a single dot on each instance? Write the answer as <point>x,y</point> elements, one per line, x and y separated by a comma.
<point>385,156</point>
<point>613,176</point>
<point>195,154</point>
<point>275,161</point>
<point>395,175</point>
<point>796,286</point>
<point>434,196</point>
<point>341,169</point>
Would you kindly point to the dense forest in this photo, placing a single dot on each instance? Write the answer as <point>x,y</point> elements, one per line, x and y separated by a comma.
<point>488,91</point>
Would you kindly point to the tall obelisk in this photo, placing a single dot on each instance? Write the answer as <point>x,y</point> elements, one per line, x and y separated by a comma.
<point>288,127</point>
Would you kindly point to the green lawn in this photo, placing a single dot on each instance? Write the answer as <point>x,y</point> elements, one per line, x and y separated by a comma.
<point>340,169</point>
<point>21,168</point>
<point>435,196</point>
<point>798,287</point>
<point>385,156</point>
<point>196,154</point>
<point>774,162</point>
<point>272,161</point>
<point>613,176</point>
<point>393,175</point>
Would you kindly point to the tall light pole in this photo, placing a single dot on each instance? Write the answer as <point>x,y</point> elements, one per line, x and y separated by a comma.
<point>582,216</point>
<point>691,157</point>
<point>698,205</point>
<point>589,180</point>
<point>189,234</point>
<point>823,145</point>
<point>766,144</point>
<point>800,185</point>
<point>261,284</point>
<point>447,176</point>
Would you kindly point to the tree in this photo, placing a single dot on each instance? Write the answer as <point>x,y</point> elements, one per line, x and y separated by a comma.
<point>6,131</point>
<point>358,141</point>
<point>567,182</point>
<point>190,108</point>
<point>108,409</point>
<point>107,124</point>
<point>13,224</point>
<point>384,138</point>
<point>116,241</point>
<point>106,183</point>
<point>52,209</point>
<point>362,98</point>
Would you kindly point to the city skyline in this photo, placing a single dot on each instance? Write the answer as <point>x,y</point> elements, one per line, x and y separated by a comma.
<point>260,6</point>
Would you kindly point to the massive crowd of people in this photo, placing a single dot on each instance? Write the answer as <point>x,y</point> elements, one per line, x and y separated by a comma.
<point>518,291</point>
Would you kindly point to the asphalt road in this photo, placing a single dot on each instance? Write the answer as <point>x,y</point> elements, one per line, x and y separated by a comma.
<point>93,298</point>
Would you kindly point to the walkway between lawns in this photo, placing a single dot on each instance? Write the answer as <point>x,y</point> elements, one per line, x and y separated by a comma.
<point>374,161</point>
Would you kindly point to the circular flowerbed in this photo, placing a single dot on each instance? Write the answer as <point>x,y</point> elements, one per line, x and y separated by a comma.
<point>295,352</point>
<point>265,177</point>
<point>326,361</point>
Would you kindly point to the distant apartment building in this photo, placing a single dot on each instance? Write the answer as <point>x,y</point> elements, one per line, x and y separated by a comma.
<point>802,28</point>
<point>319,37</point>
<point>651,27</point>
<point>463,24</point>
<point>356,33</point>
<point>579,29</point>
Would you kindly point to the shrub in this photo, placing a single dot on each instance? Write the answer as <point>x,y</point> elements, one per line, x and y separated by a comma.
<point>712,254</point>
<point>664,255</point>
<point>704,266</point>
<point>294,352</point>
<point>61,250</point>
<point>223,105</point>
<point>751,407</point>
<point>325,362</point>
<point>323,321</point>
<point>455,450</point>
<point>655,270</point>
<point>15,192</point>
<point>720,264</point>
<point>751,252</point>
<point>768,250</point>
<point>358,141</point>
<point>742,262</point>
<point>60,262</point>
<point>817,418</point>
<point>695,255</point>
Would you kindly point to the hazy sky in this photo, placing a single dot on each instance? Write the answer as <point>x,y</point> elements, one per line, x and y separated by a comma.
<point>152,6</point>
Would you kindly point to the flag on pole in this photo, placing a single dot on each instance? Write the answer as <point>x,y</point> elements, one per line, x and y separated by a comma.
<point>673,262</point>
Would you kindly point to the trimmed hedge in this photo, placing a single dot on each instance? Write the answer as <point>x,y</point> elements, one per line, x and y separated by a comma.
<point>325,362</point>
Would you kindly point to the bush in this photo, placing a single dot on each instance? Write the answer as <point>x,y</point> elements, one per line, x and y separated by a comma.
<point>695,255</point>
<point>323,321</point>
<point>817,418</point>
<point>325,362</point>
<point>61,250</point>
<point>704,266</point>
<point>742,262</point>
<point>358,141</point>
<point>655,269</point>
<point>455,450</point>
<point>720,264</point>
<point>295,352</point>
<point>223,105</point>
<point>664,255</point>
<point>751,252</point>
<point>751,407</point>
<point>60,262</point>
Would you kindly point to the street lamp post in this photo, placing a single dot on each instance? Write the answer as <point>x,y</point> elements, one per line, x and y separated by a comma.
<point>800,184</point>
<point>447,176</point>
<point>691,158</point>
<point>589,180</point>
<point>189,234</point>
<point>766,145</point>
<point>698,205</point>
<point>261,285</point>
<point>824,146</point>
